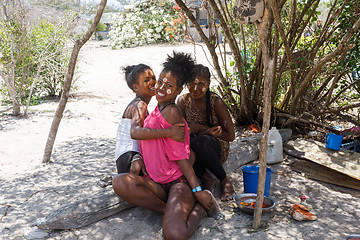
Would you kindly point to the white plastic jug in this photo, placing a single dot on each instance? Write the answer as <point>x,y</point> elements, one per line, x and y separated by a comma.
<point>274,152</point>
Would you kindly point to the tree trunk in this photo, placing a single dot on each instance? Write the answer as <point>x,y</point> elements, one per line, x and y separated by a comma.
<point>68,79</point>
<point>10,78</point>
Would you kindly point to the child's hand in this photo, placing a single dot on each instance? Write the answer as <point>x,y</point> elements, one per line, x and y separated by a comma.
<point>177,132</point>
<point>214,131</point>
<point>204,198</point>
<point>138,165</point>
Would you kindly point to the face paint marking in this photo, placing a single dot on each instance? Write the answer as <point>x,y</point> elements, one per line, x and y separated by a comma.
<point>168,91</point>
<point>196,80</point>
<point>204,89</point>
<point>156,85</point>
<point>195,87</point>
<point>165,78</point>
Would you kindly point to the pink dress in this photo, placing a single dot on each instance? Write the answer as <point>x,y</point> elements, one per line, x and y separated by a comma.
<point>160,155</point>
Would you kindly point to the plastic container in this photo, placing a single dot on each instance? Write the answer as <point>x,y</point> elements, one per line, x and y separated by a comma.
<point>251,179</point>
<point>333,141</point>
<point>274,153</point>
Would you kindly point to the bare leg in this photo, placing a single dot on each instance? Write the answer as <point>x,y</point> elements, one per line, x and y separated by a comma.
<point>140,191</point>
<point>227,190</point>
<point>183,214</point>
<point>208,181</point>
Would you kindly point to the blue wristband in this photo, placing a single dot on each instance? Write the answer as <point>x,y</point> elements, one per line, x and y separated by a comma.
<point>196,189</point>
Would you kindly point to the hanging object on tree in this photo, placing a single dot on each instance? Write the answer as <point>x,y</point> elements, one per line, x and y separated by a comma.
<point>248,11</point>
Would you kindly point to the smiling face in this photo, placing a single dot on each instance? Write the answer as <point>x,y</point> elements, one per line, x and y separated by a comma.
<point>166,88</point>
<point>145,86</point>
<point>198,87</point>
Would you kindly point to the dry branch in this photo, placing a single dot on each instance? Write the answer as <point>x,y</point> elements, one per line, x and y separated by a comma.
<point>68,80</point>
<point>342,47</point>
<point>297,119</point>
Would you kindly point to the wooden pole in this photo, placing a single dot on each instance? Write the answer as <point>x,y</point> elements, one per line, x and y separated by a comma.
<point>264,29</point>
<point>68,79</point>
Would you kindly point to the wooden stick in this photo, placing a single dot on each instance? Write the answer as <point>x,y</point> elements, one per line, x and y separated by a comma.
<point>263,29</point>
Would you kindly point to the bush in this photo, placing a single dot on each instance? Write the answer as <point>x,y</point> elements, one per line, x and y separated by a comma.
<point>149,22</point>
<point>39,57</point>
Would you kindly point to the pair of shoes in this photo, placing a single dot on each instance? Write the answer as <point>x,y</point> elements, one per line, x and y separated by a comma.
<point>215,210</point>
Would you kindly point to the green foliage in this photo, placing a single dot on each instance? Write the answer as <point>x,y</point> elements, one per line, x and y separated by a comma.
<point>150,22</point>
<point>99,27</point>
<point>40,58</point>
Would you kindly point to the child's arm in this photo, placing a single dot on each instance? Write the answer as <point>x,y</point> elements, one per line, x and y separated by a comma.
<point>203,197</point>
<point>138,132</point>
<point>194,128</point>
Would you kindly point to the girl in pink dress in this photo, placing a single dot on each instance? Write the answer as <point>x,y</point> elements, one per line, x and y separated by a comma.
<point>171,186</point>
<point>141,79</point>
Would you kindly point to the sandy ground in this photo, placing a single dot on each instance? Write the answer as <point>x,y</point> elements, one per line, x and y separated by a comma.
<point>84,153</point>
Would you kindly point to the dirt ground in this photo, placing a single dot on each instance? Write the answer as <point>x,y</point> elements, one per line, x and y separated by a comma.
<point>84,153</point>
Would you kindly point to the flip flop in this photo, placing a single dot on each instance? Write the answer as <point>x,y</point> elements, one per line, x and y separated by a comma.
<point>215,210</point>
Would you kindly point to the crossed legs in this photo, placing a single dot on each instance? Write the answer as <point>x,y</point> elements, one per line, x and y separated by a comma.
<point>182,213</point>
<point>140,191</point>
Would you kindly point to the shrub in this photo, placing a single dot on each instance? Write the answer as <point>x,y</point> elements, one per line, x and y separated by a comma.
<point>150,22</point>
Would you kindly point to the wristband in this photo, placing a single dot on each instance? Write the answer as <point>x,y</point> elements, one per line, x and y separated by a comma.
<point>196,189</point>
<point>136,157</point>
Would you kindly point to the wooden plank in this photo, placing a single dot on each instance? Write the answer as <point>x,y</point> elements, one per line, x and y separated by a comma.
<point>318,172</point>
<point>84,212</point>
<point>344,161</point>
<point>341,168</point>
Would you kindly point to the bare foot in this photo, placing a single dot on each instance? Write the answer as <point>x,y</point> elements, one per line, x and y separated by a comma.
<point>207,181</point>
<point>227,190</point>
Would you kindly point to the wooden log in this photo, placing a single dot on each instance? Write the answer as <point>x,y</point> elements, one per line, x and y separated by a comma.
<point>106,203</point>
<point>245,150</point>
<point>84,212</point>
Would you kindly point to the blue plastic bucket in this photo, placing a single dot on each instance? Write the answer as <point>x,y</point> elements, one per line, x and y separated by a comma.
<point>333,141</point>
<point>251,178</point>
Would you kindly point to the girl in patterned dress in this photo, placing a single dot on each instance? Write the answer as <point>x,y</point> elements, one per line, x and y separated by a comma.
<point>211,130</point>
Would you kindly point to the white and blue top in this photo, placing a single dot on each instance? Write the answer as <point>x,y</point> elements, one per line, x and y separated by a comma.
<point>124,142</point>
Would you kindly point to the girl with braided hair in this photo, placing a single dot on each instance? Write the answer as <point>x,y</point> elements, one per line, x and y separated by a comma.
<point>141,79</point>
<point>171,186</point>
<point>211,130</point>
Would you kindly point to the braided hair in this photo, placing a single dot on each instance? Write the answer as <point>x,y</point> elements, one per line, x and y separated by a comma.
<point>202,71</point>
<point>133,72</point>
<point>180,65</point>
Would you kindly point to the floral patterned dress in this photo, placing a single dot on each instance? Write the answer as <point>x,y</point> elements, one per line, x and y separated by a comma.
<point>199,116</point>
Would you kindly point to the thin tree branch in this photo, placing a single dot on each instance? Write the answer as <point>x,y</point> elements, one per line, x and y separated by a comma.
<point>342,47</point>
<point>68,80</point>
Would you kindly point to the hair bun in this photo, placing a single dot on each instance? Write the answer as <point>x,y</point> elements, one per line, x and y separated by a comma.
<point>181,64</point>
